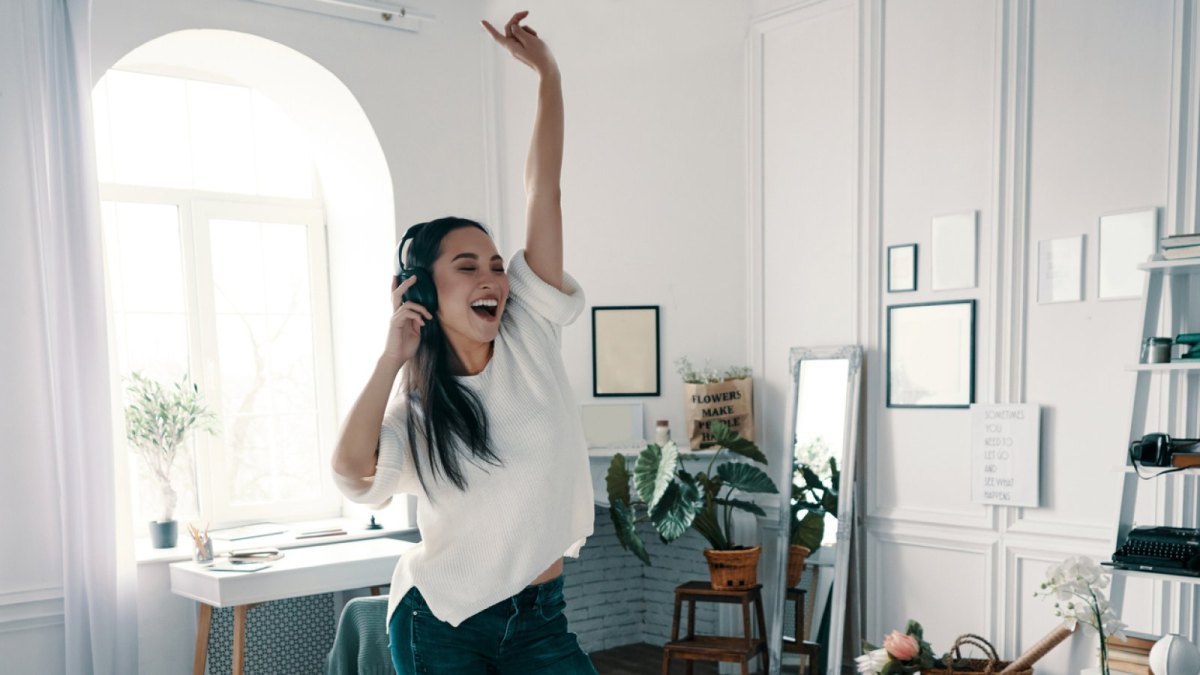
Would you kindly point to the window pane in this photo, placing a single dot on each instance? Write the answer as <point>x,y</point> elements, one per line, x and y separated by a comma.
<point>101,132</point>
<point>222,137</point>
<point>149,258</point>
<point>148,119</point>
<point>267,365</point>
<point>282,157</point>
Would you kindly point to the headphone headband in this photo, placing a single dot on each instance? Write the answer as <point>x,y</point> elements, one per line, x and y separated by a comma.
<point>409,234</point>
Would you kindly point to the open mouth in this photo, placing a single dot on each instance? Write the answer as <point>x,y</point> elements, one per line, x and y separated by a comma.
<point>486,309</point>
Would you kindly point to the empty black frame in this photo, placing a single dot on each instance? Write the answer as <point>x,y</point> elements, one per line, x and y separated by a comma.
<point>605,352</point>
<point>931,334</point>
<point>913,271</point>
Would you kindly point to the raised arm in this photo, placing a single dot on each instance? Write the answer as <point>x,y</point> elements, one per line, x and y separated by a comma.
<point>543,166</point>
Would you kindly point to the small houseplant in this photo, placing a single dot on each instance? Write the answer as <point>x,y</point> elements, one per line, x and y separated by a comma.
<point>157,422</point>
<point>812,499</point>
<point>674,500</point>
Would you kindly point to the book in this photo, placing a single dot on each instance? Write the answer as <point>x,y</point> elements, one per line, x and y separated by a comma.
<point>1182,459</point>
<point>1181,252</point>
<point>1134,641</point>
<point>1177,240</point>
<point>264,554</point>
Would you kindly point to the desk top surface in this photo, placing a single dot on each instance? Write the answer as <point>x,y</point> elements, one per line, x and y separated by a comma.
<point>301,571</point>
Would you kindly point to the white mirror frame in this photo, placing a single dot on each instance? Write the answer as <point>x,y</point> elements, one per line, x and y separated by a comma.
<point>845,518</point>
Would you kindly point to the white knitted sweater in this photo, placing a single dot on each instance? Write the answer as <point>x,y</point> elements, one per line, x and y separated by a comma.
<point>483,545</point>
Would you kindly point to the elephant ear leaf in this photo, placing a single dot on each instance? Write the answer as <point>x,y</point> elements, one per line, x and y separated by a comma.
<point>618,480</point>
<point>809,531</point>
<point>654,470</point>
<point>727,438</point>
<point>746,477</point>
<point>675,510</point>
<point>624,522</point>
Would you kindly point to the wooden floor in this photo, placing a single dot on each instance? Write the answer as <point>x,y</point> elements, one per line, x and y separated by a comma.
<point>646,659</point>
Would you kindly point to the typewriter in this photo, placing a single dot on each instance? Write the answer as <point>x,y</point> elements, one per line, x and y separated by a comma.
<point>1168,550</point>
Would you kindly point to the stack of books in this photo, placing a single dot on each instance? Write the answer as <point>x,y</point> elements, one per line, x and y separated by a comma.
<point>1131,656</point>
<point>1179,246</point>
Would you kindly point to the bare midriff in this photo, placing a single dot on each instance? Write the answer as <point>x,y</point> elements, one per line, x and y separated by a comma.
<point>550,573</point>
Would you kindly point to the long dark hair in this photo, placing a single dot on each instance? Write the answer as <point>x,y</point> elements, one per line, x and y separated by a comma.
<point>453,416</point>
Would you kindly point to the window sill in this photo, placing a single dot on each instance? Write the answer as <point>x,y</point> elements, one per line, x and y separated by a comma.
<point>145,554</point>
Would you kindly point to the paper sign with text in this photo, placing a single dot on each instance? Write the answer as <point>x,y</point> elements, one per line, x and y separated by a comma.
<point>1005,454</point>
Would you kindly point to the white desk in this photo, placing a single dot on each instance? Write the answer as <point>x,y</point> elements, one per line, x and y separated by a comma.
<point>301,571</point>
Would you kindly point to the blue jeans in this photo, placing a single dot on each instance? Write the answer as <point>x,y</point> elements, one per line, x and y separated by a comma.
<point>525,634</point>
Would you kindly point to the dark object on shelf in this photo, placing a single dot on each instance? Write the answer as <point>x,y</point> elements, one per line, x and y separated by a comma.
<point>694,647</point>
<point>1156,350</point>
<point>1191,340</point>
<point>1157,449</point>
<point>1168,550</point>
<point>374,525</point>
<point>164,533</point>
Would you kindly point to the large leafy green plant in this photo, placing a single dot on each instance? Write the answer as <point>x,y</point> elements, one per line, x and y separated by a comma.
<point>157,421</point>
<point>813,498</point>
<point>673,500</point>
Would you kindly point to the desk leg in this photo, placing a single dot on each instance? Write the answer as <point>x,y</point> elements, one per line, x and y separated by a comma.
<point>239,638</point>
<point>203,625</point>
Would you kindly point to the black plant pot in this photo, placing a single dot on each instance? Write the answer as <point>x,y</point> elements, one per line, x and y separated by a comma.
<point>164,534</point>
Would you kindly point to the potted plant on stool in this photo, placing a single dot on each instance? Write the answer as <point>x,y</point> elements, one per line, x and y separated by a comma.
<point>157,420</point>
<point>674,500</point>
<point>812,499</point>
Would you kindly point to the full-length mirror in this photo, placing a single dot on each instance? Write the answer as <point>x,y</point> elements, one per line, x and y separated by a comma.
<point>809,620</point>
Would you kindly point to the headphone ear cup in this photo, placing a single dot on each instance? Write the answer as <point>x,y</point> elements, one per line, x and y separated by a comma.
<point>423,292</point>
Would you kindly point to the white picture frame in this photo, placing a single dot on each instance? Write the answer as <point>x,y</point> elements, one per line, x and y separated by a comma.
<point>954,250</point>
<point>608,425</point>
<point>1127,239</point>
<point>1060,270</point>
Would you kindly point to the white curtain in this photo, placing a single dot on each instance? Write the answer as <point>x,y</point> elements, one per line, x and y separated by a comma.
<point>55,401</point>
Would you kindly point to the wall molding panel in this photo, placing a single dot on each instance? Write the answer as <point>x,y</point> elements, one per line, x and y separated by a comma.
<point>31,609</point>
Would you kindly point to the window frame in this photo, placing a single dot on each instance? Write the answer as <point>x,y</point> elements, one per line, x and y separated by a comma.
<point>195,209</point>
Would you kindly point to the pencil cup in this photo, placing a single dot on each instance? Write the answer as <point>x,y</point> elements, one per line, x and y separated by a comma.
<point>204,551</point>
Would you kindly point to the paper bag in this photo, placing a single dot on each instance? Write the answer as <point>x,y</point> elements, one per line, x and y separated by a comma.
<point>730,401</point>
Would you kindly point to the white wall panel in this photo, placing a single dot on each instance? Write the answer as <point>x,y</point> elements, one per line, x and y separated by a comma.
<point>808,218</point>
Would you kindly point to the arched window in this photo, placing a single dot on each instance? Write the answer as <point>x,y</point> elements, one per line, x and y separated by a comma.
<point>215,252</point>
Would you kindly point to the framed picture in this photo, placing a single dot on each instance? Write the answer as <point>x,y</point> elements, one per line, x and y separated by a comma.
<point>954,250</point>
<point>902,268</point>
<point>607,425</point>
<point>625,354</point>
<point>1127,239</point>
<point>931,355</point>
<point>1060,270</point>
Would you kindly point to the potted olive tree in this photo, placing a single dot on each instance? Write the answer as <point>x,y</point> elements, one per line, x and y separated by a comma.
<point>157,422</point>
<point>672,500</point>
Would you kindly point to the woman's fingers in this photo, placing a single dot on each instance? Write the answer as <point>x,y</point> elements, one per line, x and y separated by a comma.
<point>495,33</point>
<point>413,309</point>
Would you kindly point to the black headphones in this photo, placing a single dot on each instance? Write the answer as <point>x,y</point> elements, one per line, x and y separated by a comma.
<point>423,292</point>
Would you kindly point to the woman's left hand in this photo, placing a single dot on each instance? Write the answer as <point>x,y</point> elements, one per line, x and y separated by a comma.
<point>524,44</point>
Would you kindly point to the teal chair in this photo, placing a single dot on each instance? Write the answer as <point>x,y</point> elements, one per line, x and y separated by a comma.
<point>361,644</point>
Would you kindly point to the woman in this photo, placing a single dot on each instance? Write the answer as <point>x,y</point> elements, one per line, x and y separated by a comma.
<point>484,430</point>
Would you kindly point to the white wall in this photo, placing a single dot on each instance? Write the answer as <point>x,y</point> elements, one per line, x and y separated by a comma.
<point>653,171</point>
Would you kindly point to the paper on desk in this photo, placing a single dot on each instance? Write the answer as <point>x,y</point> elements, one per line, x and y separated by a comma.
<point>229,566</point>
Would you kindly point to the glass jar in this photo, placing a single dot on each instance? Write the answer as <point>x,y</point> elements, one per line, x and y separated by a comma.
<point>662,432</point>
<point>1156,350</point>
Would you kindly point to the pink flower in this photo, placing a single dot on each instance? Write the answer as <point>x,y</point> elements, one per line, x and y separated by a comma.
<point>902,647</point>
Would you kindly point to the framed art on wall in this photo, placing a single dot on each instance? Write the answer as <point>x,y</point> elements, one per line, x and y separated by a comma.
<point>902,268</point>
<point>625,351</point>
<point>931,355</point>
<point>1060,270</point>
<point>954,250</point>
<point>1127,239</point>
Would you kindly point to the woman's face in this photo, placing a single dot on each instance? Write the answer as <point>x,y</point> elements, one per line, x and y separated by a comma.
<point>472,285</point>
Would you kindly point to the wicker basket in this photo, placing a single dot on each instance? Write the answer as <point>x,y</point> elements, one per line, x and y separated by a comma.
<point>797,555</point>
<point>957,665</point>
<point>731,570</point>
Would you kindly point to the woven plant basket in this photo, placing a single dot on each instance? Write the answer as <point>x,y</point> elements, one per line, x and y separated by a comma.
<point>957,665</point>
<point>797,555</point>
<point>732,570</point>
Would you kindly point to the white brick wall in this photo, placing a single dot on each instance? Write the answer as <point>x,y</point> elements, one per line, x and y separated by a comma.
<point>613,599</point>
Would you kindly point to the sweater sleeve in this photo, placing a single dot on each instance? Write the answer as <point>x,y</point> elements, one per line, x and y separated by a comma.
<point>393,468</point>
<point>544,301</point>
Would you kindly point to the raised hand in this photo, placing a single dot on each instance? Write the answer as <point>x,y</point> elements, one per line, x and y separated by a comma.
<point>524,44</point>
<point>404,331</point>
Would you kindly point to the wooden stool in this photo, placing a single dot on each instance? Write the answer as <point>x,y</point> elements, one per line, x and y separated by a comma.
<point>798,644</point>
<point>716,647</point>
